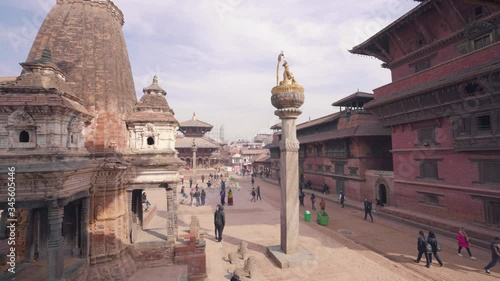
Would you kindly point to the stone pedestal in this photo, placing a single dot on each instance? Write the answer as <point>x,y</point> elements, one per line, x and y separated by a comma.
<point>55,243</point>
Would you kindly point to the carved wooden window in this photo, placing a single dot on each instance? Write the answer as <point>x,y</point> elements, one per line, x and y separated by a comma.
<point>422,65</point>
<point>310,167</point>
<point>339,168</point>
<point>430,199</point>
<point>24,137</point>
<point>473,89</point>
<point>497,121</point>
<point>492,212</point>
<point>483,123</point>
<point>353,171</point>
<point>426,136</point>
<point>429,169</point>
<point>328,168</point>
<point>462,126</point>
<point>319,168</point>
<point>481,42</point>
<point>489,172</point>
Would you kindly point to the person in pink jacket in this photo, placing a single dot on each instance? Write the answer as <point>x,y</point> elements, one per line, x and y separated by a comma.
<point>464,242</point>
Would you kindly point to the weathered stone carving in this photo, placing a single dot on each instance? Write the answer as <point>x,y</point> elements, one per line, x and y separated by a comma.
<point>241,254</point>
<point>247,269</point>
<point>20,118</point>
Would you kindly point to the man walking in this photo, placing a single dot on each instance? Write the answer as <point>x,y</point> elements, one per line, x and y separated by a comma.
<point>342,198</point>
<point>431,239</point>
<point>301,198</point>
<point>422,248</point>
<point>495,254</point>
<point>258,192</point>
<point>253,181</point>
<point>322,204</point>
<point>368,209</point>
<point>219,222</point>
<point>313,200</point>
<point>253,193</point>
<point>202,178</point>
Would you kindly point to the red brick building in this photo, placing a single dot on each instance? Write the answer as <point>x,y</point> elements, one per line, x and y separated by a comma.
<point>443,107</point>
<point>339,148</point>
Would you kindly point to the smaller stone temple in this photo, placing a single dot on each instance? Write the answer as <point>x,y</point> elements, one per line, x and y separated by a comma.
<point>194,131</point>
<point>152,128</point>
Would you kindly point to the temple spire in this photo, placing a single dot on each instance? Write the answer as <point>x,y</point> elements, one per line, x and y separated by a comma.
<point>194,116</point>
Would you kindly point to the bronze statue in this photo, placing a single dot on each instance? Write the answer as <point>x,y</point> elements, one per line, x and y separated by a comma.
<point>288,78</point>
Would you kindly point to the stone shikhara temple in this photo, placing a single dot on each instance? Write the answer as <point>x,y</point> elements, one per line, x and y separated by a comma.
<point>84,149</point>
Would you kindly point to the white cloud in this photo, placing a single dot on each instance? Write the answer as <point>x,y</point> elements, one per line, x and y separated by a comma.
<point>221,63</point>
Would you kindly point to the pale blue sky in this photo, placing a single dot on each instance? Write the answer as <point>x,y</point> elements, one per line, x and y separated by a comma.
<point>218,57</point>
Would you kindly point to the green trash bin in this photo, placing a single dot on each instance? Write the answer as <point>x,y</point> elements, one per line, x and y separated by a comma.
<point>307,216</point>
<point>323,218</point>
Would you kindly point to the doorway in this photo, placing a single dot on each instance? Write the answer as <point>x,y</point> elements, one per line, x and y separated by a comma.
<point>382,193</point>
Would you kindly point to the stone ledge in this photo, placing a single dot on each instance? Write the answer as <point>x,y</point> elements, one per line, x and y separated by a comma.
<point>282,260</point>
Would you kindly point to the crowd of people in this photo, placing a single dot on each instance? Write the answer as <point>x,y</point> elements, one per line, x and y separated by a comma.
<point>428,246</point>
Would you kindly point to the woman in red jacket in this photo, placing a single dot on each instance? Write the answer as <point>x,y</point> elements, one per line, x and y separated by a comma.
<point>464,242</point>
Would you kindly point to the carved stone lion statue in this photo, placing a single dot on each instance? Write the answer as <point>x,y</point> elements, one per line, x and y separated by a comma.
<point>241,254</point>
<point>248,269</point>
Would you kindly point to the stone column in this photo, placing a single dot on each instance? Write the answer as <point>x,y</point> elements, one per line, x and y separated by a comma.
<point>287,99</point>
<point>131,224</point>
<point>3,224</point>
<point>55,243</point>
<point>193,149</point>
<point>170,210</point>
<point>85,226</point>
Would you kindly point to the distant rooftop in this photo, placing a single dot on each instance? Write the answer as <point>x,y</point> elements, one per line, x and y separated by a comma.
<point>357,99</point>
<point>193,122</point>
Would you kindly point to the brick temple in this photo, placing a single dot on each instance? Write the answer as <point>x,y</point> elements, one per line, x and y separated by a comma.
<point>84,150</point>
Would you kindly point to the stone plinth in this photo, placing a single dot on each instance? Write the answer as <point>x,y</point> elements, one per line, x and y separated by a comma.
<point>301,258</point>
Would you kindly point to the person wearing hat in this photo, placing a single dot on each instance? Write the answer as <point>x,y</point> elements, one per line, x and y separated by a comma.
<point>495,254</point>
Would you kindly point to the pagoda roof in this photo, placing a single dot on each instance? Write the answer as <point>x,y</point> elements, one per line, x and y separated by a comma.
<point>187,142</point>
<point>253,151</point>
<point>321,120</point>
<point>459,76</point>
<point>261,157</point>
<point>368,48</point>
<point>359,98</point>
<point>276,126</point>
<point>7,79</point>
<point>193,122</point>
<point>362,130</point>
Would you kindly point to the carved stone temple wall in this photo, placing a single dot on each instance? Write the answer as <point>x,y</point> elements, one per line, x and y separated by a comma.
<point>81,145</point>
